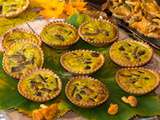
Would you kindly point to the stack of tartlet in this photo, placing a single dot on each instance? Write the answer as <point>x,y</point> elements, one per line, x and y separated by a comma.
<point>22,52</point>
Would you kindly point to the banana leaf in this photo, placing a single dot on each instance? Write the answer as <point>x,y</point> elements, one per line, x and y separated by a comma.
<point>10,98</point>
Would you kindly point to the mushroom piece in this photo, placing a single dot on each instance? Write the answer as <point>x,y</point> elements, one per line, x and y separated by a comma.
<point>131,100</point>
<point>113,109</point>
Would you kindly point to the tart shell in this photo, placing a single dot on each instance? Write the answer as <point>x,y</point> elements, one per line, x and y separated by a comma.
<point>130,65</point>
<point>102,43</point>
<point>38,42</point>
<point>126,89</point>
<point>64,45</point>
<point>86,105</point>
<point>78,72</point>
<point>11,15</point>
<point>38,99</point>
<point>5,59</point>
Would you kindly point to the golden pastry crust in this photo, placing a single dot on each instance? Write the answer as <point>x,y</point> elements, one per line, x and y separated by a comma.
<point>138,81</point>
<point>124,9</point>
<point>139,14</point>
<point>13,35</point>
<point>40,85</point>
<point>147,27</point>
<point>130,53</point>
<point>13,8</point>
<point>98,32</point>
<point>86,92</point>
<point>151,7</point>
<point>82,61</point>
<point>59,34</point>
<point>22,57</point>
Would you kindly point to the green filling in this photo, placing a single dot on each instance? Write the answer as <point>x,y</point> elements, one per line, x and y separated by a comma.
<point>82,61</point>
<point>98,31</point>
<point>137,79</point>
<point>11,6</point>
<point>41,84</point>
<point>58,34</point>
<point>23,57</point>
<point>131,52</point>
<point>19,35</point>
<point>87,91</point>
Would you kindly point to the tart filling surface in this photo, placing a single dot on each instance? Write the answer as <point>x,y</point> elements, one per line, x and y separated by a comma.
<point>82,61</point>
<point>18,34</point>
<point>98,32</point>
<point>137,80</point>
<point>40,85</point>
<point>21,57</point>
<point>86,92</point>
<point>59,34</point>
<point>11,8</point>
<point>130,53</point>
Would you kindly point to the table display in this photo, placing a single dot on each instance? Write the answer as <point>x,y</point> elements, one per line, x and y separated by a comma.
<point>87,65</point>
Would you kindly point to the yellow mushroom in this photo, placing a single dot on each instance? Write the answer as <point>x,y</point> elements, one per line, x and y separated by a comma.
<point>131,100</point>
<point>113,109</point>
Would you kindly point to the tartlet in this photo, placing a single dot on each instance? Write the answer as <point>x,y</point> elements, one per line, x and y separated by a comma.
<point>82,61</point>
<point>59,34</point>
<point>12,8</point>
<point>40,85</point>
<point>130,53</point>
<point>86,92</point>
<point>98,32</point>
<point>18,34</point>
<point>137,81</point>
<point>22,57</point>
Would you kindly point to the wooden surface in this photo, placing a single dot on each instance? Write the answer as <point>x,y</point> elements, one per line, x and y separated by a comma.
<point>36,26</point>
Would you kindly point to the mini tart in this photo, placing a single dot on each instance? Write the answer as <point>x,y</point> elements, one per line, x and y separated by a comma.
<point>40,86</point>
<point>22,57</point>
<point>98,32</point>
<point>82,61</point>
<point>18,34</point>
<point>137,81</point>
<point>86,92</point>
<point>59,34</point>
<point>130,53</point>
<point>12,8</point>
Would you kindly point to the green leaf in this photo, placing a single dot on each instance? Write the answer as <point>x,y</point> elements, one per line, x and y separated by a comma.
<point>76,19</point>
